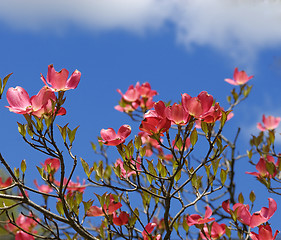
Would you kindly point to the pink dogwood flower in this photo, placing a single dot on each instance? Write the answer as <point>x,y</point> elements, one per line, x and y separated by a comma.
<point>239,78</point>
<point>265,233</point>
<point>138,96</point>
<point>7,183</point>
<point>195,219</point>
<point>261,167</point>
<point>37,105</point>
<point>95,211</point>
<point>148,229</point>
<point>43,188</point>
<point>110,137</point>
<point>26,223</point>
<point>177,114</point>
<point>120,220</point>
<point>54,164</point>
<point>245,217</point>
<point>156,121</point>
<point>197,106</point>
<point>127,173</point>
<point>217,230</point>
<point>269,123</point>
<point>59,81</point>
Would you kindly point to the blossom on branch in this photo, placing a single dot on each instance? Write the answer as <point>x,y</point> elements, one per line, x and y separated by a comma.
<point>148,229</point>
<point>262,167</point>
<point>217,230</point>
<point>239,78</point>
<point>138,96</point>
<point>252,220</point>
<point>197,106</point>
<point>195,219</point>
<point>95,211</point>
<point>59,81</point>
<point>37,105</point>
<point>110,138</point>
<point>265,233</point>
<point>156,121</point>
<point>269,123</point>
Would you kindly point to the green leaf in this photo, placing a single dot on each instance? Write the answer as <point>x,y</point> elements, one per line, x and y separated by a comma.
<point>193,137</point>
<point>241,198</point>
<point>63,131</point>
<point>138,142</point>
<point>59,208</point>
<point>204,127</point>
<point>215,165</point>
<point>87,205</point>
<point>22,129</point>
<point>94,146</point>
<point>223,118</point>
<point>252,196</point>
<point>250,154</point>
<point>184,225</point>
<point>40,170</point>
<point>17,172</point>
<point>85,166</point>
<point>71,134</point>
<point>223,176</point>
<point>178,176</point>
<point>142,151</point>
<point>23,166</point>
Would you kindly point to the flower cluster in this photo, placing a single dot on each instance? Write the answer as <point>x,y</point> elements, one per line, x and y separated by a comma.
<point>138,96</point>
<point>42,103</point>
<point>202,108</point>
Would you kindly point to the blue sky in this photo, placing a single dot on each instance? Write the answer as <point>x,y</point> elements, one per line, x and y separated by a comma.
<point>179,46</point>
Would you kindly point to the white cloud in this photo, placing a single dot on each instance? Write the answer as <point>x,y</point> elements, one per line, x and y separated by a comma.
<point>239,28</point>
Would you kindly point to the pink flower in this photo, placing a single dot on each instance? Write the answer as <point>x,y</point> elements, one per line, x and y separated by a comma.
<point>19,100</point>
<point>95,211</point>
<point>195,219</point>
<point>261,167</point>
<point>217,231</point>
<point>245,217</point>
<point>59,81</point>
<point>213,114</point>
<point>177,114</point>
<point>264,214</point>
<point>148,229</point>
<point>127,173</point>
<point>25,223</point>
<point>156,121</point>
<point>72,186</point>
<point>187,144</point>
<point>110,138</point>
<point>265,233</point>
<point>43,188</point>
<point>239,78</point>
<point>37,105</point>
<point>122,219</point>
<point>197,106</point>
<point>138,96</point>
<point>20,235</point>
<point>7,183</point>
<point>269,122</point>
<point>150,144</point>
<point>54,164</point>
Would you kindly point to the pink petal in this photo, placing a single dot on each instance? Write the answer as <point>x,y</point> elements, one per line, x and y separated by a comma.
<point>18,98</point>
<point>57,79</point>
<point>108,134</point>
<point>73,81</point>
<point>124,131</point>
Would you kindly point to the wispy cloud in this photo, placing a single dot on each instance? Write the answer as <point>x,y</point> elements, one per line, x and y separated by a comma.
<point>239,28</point>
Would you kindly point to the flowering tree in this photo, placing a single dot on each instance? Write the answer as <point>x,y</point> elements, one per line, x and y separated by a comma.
<point>179,163</point>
